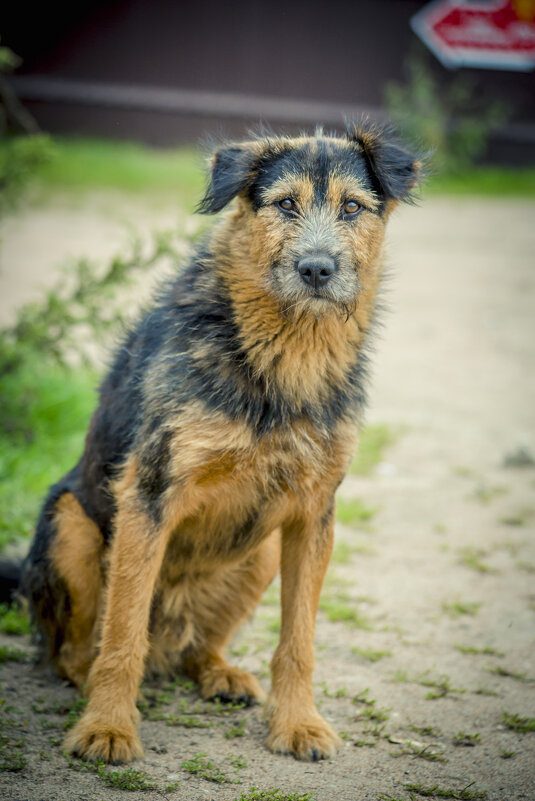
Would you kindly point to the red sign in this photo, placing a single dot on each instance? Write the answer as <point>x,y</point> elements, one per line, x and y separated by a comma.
<point>499,34</point>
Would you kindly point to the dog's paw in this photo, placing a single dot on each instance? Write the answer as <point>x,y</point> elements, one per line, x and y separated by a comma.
<point>96,738</point>
<point>230,684</point>
<point>309,739</point>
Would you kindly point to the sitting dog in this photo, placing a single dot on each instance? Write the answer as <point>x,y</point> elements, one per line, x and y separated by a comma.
<point>224,427</point>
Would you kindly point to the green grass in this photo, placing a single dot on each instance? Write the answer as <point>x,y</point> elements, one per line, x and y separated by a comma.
<point>517,723</point>
<point>458,608</point>
<point>201,766</point>
<point>497,181</point>
<point>255,794</point>
<point>471,649</point>
<point>92,164</point>
<point>354,513</point>
<point>44,415</point>
<point>434,791</point>
<point>369,654</point>
<point>373,441</point>
<point>14,620</point>
<point>473,559</point>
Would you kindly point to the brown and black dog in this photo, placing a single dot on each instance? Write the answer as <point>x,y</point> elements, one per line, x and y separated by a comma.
<point>224,428</point>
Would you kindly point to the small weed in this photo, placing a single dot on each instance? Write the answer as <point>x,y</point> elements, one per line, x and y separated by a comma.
<point>441,792</point>
<point>240,651</point>
<point>527,567</point>
<point>354,512</point>
<point>255,794</point>
<point>187,721</point>
<point>127,779</point>
<point>237,730</point>
<point>517,723</point>
<point>486,691</point>
<point>340,693</point>
<point>484,493</point>
<point>400,676</point>
<point>373,441</point>
<point>171,787</point>
<point>238,762</point>
<point>201,766</point>
<point>372,713</point>
<point>369,654</point>
<point>10,654</point>
<point>473,559</point>
<point>364,698</point>
<point>426,731</point>
<point>442,686</point>
<point>498,670</point>
<point>365,743</point>
<point>11,753</point>
<point>13,620</point>
<point>471,649</point>
<point>428,752</point>
<point>517,519</point>
<point>457,608</point>
<point>340,612</point>
<point>463,738</point>
<point>505,754</point>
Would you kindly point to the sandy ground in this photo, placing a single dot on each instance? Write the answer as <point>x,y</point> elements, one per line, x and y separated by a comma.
<point>448,562</point>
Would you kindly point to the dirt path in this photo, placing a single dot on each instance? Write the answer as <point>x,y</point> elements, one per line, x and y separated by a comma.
<point>435,595</point>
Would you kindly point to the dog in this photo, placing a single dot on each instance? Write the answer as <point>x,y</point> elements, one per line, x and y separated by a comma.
<point>224,428</point>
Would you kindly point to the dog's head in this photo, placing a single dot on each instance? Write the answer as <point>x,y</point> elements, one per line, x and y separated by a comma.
<point>309,224</point>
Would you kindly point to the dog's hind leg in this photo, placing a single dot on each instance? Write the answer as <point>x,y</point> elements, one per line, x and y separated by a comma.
<point>76,554</point>
<point>62,581</point>
<point>218,609</point>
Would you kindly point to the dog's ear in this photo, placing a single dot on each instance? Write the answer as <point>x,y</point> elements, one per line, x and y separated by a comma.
<point>233,169</point>
<point>394,167</point>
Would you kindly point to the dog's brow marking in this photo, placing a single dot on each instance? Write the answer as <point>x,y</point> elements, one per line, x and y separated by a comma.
<point>292,185</point>
<point>348,187</point>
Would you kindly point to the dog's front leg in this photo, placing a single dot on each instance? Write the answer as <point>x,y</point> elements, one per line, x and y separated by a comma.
<point>107,729</point>
<point>295,724</point>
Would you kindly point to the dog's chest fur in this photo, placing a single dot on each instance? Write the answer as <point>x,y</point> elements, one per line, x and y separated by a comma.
<point>240,488</point>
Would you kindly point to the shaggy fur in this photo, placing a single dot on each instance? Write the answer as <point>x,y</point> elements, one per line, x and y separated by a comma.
<point>224,428</point>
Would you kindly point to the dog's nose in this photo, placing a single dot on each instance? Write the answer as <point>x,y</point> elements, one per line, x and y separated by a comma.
<point>316,271</point>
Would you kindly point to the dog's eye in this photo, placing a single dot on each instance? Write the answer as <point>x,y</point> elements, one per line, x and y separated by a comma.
<point>287,204</point>
<point>351,207</point>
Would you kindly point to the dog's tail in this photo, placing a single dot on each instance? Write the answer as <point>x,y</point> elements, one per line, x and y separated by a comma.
<point>11,565</point>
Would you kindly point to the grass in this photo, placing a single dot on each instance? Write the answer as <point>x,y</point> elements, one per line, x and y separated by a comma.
<point>442,687</point>
<point>369,654</point>
<point>498,181</point>
<point>90,164</point>
<point>458,608</point>
<point>517,723</point>
<point>473,559</point>
<point>10,654</point>
<point>39,444</point>
<point>13,620</point>
<point>471,649</point>
<point>463,738</point>
<point>338,611</point>
<point>354,513</point>
<point>201,766</point>
<point>498,670</point>
<point>373,441</point>
<point>255,794</point>
<point>434,791</point>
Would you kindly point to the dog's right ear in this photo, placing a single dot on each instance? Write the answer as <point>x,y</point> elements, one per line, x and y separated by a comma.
<point>233,169</point>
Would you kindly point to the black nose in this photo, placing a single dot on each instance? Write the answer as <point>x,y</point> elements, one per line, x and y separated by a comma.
<point>316,271</point>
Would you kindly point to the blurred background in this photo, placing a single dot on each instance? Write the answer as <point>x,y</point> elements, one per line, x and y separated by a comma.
<point>102,106</point>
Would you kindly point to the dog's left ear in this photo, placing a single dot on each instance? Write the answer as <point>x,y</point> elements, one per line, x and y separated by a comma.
<point>233,169</point>
<point>396,170</point>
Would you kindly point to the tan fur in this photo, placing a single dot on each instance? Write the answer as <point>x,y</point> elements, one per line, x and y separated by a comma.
<point>77,555</point>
